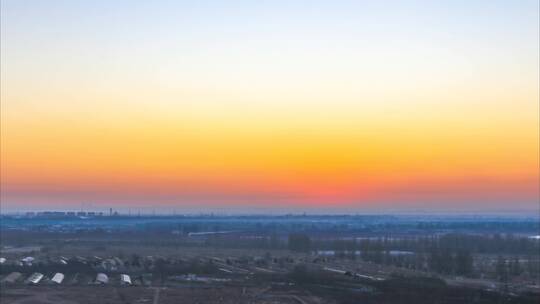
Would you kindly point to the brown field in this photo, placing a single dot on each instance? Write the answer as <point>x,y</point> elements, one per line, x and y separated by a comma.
<point>151,295</point>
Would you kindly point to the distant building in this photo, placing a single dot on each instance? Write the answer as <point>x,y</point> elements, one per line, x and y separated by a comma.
<point>53,214</point>
<point>58,278</point>
<point>125,279</point>
<point>81,213</point>
<point>102,278</point>
<point>35,278</point>
<point>27,261</point>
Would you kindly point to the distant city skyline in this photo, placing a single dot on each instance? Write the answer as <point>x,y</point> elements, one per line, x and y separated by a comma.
<point>344,106</point>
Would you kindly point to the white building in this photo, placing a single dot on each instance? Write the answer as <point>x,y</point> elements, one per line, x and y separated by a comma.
<point>102,278</point>
<point>58,278</point>
<point>27,261</point>
<point>125,279</point>
<point>35,278</point>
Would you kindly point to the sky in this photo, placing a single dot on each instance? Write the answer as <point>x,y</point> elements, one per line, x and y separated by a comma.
<point>270,105</point>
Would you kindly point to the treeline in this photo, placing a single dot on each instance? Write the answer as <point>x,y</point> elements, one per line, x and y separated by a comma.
<point>507,244</point>
<point>451,254</point>
<point>481,226</point>
<point>476,244</point>
<point>448,262</point>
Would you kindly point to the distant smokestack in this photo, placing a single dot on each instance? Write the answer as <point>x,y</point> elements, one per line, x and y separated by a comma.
<point>110,212</point>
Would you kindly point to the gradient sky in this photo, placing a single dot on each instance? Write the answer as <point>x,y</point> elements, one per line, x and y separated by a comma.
<point>250,105</point>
